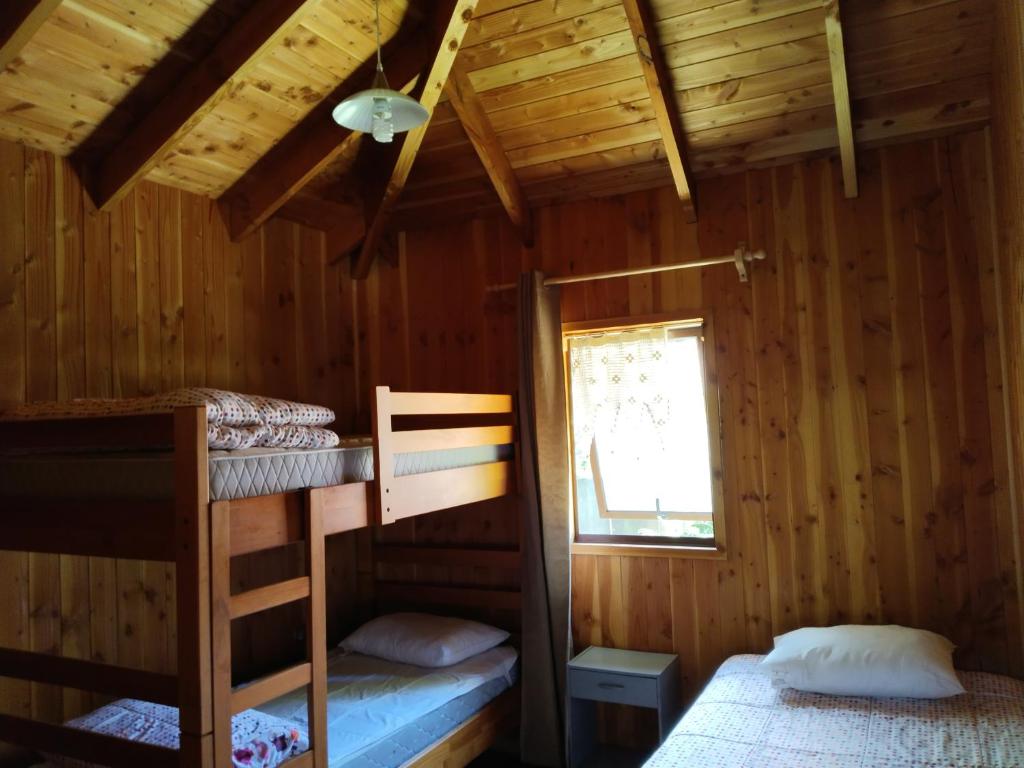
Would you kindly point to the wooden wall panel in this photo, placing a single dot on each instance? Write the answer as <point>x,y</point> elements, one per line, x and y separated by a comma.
<point>866,466</point>
<point>149,296</point>
<point>867,462</point>
<point>1002,284</point>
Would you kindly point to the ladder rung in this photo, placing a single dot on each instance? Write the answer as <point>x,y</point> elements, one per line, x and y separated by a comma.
<point>270,596</point>
<point>270,687</point>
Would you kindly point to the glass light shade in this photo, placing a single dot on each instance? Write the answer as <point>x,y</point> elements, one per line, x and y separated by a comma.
<point>366,112</point>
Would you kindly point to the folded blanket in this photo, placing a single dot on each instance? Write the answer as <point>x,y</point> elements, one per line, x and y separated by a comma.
<point>233,420</point>
<point>291,436</point>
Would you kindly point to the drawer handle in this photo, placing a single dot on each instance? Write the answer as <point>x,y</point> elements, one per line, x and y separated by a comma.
<point>610,685</point>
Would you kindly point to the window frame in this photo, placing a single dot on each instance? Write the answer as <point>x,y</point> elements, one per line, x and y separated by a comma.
<point>623,544</point>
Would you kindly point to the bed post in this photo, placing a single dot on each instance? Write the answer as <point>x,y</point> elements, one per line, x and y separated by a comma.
<point>383,456</point>
<point>192,544</point>
<point>220,630</point>
<point>316,628</point>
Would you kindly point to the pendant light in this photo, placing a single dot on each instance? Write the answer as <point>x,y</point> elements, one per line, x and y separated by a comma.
<point>379,110</point>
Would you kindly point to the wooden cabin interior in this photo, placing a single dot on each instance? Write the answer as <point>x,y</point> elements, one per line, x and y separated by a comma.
<point>178,209</point>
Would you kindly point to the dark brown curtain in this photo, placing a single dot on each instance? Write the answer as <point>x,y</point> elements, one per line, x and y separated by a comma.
<point>545,525</point>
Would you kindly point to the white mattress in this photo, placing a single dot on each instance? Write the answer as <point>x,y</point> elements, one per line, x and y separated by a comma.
<point>233,474</point>
<point>369,698</point>
<point>741,721</point>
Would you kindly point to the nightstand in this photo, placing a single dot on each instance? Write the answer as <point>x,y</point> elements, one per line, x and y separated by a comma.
<point>636,678</point>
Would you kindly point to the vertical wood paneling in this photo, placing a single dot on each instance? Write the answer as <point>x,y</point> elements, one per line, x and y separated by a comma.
<point>12,273</point>
<point>865,460</point>
<point>1007,186</point>
<point>15,696</point>
<point>148,296</point>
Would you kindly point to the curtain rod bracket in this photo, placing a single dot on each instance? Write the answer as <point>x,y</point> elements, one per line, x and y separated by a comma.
<point>741,256</point>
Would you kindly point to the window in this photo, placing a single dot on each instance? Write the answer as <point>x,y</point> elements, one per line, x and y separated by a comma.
<point>644,435</point>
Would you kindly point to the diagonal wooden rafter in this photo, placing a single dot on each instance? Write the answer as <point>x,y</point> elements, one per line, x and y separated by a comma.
<point>467,106</point>
<point>19,22</point>
<point>263,28</point>
<point>450,28</point>
<point>312,144</point>
<point>841,96</point>
<point>659,85</point>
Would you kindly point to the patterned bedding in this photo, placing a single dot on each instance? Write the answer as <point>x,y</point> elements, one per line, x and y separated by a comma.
<point>258,740</point>
<point>740,721</point>
<point>234,421</point>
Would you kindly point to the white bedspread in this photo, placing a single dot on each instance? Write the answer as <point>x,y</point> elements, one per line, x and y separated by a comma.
<point>740,721</point>
<point>368,698</point>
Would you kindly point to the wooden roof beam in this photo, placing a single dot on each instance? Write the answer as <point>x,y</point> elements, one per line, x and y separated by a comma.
<point>19,22</point>
<point>450,24</point>
<point>194,96</point>
<point>841,96</point>
<point>467,106</point>
<point>659,85</point>
<point>312,144</point>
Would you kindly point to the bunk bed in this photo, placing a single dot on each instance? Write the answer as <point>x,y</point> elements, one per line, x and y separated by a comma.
<point>430,451</point>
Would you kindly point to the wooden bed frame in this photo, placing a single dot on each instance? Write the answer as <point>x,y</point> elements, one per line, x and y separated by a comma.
<point>201,538</point>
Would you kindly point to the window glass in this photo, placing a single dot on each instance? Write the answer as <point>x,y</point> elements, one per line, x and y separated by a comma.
<point>640,435</point>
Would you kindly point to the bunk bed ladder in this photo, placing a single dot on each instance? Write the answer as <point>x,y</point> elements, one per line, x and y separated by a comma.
<point>227,607</point>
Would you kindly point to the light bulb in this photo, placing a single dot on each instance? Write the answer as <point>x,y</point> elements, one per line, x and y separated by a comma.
<point>383,122</point>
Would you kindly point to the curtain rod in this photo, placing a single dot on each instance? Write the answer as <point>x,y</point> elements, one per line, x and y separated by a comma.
<point>740,257</point>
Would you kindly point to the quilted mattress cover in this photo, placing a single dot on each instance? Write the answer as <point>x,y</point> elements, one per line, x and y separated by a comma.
<point>741,721</point>
<point>233,474</point>
<point>375,706</point>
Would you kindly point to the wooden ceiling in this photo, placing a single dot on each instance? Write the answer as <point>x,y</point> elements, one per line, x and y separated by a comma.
<point>545,100</point>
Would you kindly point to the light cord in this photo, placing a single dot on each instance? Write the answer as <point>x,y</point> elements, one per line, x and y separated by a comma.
<point>376,7</point>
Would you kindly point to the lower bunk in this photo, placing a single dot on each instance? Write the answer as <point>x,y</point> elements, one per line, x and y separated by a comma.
<point>380,714</point>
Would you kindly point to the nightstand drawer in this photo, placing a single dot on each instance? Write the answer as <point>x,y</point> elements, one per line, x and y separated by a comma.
<point>617,689</point>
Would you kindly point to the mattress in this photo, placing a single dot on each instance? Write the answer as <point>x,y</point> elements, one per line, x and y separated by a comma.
<point>233,474</point>
<point>380,714</point>
<point>741,721</point>
<point>400,746</point>
<point>375,707</point>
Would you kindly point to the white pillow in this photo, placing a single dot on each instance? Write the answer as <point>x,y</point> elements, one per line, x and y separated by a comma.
<point>857,660</point>
<point>423,639</point>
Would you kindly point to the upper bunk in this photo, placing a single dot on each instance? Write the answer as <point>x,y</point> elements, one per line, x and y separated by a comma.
<point>107,486</point>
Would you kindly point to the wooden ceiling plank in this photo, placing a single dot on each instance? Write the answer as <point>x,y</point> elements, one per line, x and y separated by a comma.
<point>638,111</point>
<point>19,23</point>
<point>634,154</point>
<point>722,17</point>
<point>488,147</point>
<point>453,21</point>
<point>546,87</point>
<point>754,62</point>
<point>193,98</point>
<point>753,37</point>
<point>841,96</point>
<point>551,63</point>
<point>578,29</point>
<point>488,28</point>
<point>568,105</point>
<point>598,141</point>
<point>659,84</point>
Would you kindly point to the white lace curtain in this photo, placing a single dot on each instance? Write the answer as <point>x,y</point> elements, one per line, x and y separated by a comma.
<point>618,379</point>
